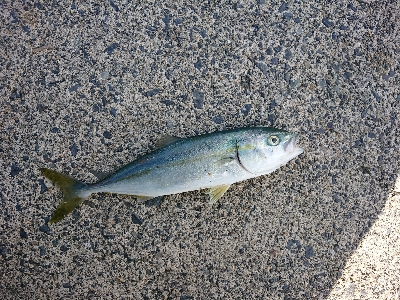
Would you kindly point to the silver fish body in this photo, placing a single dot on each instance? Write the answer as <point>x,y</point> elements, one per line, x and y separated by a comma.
<point>213,161</point>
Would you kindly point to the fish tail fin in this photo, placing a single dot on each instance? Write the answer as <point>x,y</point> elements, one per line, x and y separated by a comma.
<point>70,188</point>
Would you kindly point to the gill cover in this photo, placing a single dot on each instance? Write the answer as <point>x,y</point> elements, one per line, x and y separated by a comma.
<point>265,152</point>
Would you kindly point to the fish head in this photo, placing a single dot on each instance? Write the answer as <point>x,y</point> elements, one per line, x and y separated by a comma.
<point>267,149</point>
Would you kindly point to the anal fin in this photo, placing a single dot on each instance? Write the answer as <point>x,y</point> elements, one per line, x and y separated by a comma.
<point>217,192</point>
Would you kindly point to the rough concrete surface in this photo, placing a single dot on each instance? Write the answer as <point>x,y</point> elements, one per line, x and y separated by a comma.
<point>86,87</point>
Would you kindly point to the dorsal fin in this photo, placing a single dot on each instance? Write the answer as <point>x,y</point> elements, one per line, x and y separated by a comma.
<point>166,140</point>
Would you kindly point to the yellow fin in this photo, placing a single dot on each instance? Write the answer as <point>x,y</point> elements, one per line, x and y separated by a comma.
<point>216,192</point>
<point>70,188</point>
<point>166,140</point>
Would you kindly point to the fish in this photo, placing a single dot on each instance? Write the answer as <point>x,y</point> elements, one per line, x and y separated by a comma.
<point>212,161</point>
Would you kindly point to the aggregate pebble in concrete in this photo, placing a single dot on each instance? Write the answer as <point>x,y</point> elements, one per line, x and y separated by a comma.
<point>86,87</point>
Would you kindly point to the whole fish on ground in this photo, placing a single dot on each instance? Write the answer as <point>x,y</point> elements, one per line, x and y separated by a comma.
<point>214,161</point>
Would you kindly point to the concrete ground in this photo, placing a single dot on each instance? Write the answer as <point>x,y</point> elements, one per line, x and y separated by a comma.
<point>86,87</point>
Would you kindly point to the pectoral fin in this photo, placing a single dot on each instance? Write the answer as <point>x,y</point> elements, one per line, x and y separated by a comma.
<point>216,192</point>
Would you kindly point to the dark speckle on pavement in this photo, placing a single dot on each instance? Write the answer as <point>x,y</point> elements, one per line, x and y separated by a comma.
<point>198,99</point>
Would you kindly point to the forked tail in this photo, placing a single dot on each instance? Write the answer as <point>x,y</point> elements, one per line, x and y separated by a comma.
<point>70,188</point>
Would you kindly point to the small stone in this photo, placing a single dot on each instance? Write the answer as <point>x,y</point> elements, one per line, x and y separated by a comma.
<point>347,75</point>
<point>74,88</point>
<point>351,6</point>
<point>23,234</point>
<point>136,219</point>
<point>358,52</point>
<point>322,83</point>
<point>271,119</point>
<point>272,104</point>
<point>198,99</point>
<point>64,248</point>
<point>110,49</point>
<point>74,149</point>
<point>218,119</point>
<point>42,251</point>
<point>104,75</point>
<point>375,94</point>
<point>309,252</point>
<point>113,111</point>
<point>263,68</point>
<point>274,61</point>
<point>327,22</point>
<point>107,134</point>
<point>45,229</point>
<point>198,64</point>
<point>278,49</point>
<point>336,198</point>
<point>114,6</point>
<point>283,7</point>
<point>178,21</point>
<point>288,54</point>
<point>287,15</point>
<point>152,92</point>
<point>343,27</point>
<point>96,108</point>
<point>67,285</point>
<point>43,187</point>
<point>293,244</point>
<point>167,102</point>
<point>246,109</point>
<point>14,169</point>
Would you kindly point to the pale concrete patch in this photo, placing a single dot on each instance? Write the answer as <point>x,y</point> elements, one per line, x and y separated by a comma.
<point>373,271</point>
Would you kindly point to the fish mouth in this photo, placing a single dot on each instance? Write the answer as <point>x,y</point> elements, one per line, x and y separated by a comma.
<point>290,145</point>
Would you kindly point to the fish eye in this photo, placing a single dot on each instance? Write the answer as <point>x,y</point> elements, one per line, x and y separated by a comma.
<point>273,140</point>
